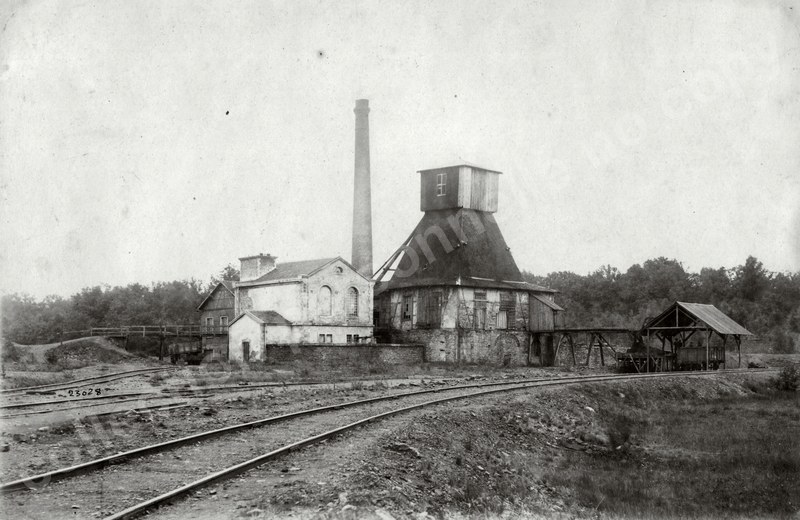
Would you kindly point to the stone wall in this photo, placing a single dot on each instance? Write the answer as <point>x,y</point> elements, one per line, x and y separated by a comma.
<point>339,354</point>
<point>493,347</point>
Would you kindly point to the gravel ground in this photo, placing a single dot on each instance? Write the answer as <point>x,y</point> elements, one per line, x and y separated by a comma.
<point>160,472</point>
<point>418,465</point>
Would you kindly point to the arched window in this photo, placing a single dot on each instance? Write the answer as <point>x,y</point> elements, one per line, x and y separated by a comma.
<point>352,302</point>
<point>324,301</point>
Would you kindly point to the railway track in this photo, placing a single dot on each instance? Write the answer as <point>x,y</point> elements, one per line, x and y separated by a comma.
<point>77,383</point>
<point>202,459</point>
<point>195,392</point>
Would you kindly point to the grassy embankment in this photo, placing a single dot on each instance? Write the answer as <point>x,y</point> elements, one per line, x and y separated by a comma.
<point>688,448</point>
<point>729,457</point>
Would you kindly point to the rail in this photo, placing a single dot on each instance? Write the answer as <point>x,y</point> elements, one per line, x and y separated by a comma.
<point>40,480</point>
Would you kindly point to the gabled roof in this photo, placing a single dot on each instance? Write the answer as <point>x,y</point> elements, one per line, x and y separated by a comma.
<point>226,284</point>
<point>264,318</point>
<point>688,314</point>
<point>295,270</point>
<point>457,246</point>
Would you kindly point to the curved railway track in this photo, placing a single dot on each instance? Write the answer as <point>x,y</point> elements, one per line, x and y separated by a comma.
<point>195,392</point>
<point>104,378</point>
<point>248,445</point>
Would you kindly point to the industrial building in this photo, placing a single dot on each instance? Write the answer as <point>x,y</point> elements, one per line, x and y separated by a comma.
<point>454,286</point>
<point>311,301</point>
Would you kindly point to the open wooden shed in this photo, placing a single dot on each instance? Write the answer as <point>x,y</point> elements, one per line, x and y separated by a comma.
<point>686,330</point>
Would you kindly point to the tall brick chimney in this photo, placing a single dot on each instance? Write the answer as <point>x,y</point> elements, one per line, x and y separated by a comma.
<point>362,198</point>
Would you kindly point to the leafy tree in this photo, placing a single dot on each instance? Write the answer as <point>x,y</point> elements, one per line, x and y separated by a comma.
<point>751,279</point>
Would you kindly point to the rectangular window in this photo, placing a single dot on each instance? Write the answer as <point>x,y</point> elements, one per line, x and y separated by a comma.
<point>321,338</point>
<point>223,321</point>
<point>408,307</point>
<point>209,322</point>
<point>355,338</point>
<point>479,319</point>
<point>502,320</point>
<point>435,309</point>
<point>441,184</point>
<point>329,338</point>
<point>349,338</point>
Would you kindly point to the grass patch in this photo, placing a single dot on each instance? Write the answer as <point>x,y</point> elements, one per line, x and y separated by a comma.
<point>729,457</point>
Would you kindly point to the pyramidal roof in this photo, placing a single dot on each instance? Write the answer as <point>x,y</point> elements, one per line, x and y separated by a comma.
<point>456,246</point>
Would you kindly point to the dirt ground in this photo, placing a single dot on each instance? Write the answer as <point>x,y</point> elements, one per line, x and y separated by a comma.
<point>491,458</point>
<point>488,458</point>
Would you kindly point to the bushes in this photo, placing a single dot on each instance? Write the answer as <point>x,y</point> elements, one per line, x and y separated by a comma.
<point>11,353</point>
<point>788,379</point>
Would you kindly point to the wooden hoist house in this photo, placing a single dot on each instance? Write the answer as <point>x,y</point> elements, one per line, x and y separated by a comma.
<point>454,286</point>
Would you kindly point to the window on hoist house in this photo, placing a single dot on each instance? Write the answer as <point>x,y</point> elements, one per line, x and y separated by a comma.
<point>479,317</point>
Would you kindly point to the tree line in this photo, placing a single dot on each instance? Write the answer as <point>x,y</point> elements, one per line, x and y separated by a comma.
<point>766,303</point>
<point>26,320</point>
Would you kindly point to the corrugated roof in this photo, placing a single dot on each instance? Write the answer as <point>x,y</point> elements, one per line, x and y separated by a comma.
<point>714,318</point>
<point>294,269</point>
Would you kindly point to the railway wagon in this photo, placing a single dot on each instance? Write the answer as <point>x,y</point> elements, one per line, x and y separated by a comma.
<point>192,353</point>
<point>694,358</point>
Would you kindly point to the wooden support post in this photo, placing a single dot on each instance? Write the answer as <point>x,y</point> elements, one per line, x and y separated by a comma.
<point>708,349</point>
<point>648,347</point>
<point>572,348</point>
<point>600,342</point>
<point>739,349</point>
<point>589,348</point>
<point>161,347</point>
<point>558,346</point>
<point>724,350</point>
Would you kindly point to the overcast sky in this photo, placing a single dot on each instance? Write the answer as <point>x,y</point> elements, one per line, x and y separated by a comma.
<point>144,141</point>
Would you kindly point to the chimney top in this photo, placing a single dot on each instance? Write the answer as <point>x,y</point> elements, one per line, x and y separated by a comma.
<point>255,266</point>
<point>362,105</point>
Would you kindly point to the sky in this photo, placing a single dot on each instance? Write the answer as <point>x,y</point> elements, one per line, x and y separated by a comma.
<point>145,141</point>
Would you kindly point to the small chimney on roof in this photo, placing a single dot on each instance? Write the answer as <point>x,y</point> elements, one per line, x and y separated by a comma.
<point>256,266</point>
<point>362,198</point>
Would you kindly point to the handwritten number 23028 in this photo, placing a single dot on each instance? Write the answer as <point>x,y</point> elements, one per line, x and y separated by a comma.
<point>84,393</point>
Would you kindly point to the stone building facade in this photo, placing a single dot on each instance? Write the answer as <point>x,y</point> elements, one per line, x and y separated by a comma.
<point>296,303</point>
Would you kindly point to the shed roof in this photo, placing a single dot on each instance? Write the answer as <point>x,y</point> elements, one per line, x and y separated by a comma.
<point>552,305</point>
<point>690,313</point>
<point>264,318</point>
